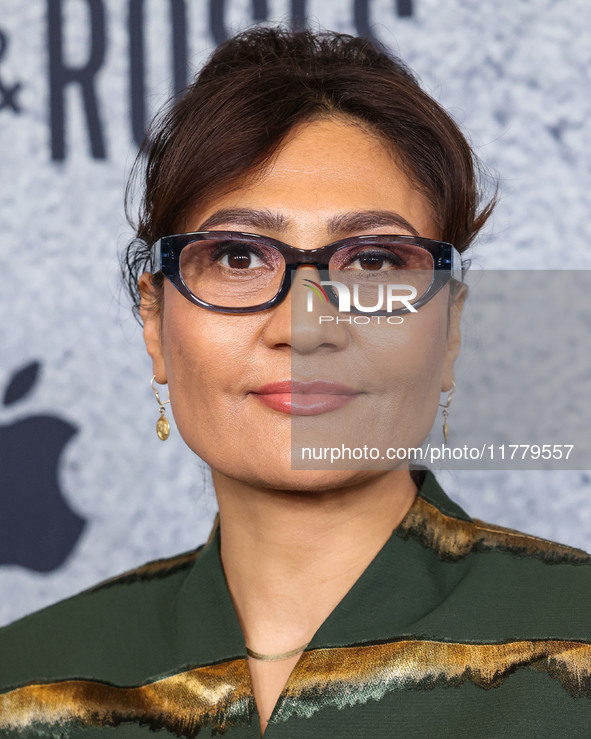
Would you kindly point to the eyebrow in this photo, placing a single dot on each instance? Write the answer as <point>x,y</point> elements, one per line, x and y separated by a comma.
<point>337,225</point>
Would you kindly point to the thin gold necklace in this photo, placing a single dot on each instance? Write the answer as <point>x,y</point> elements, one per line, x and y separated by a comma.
<point>275,657</point>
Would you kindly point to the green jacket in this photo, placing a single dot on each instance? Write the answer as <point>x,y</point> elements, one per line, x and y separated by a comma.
<point>458,628</point>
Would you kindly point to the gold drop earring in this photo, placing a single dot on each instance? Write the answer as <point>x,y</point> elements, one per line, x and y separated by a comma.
<point>162,425</point>
<point>446,411</point>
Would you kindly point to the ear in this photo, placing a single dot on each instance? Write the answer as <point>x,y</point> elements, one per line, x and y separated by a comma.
<point>151,318</point>
<point>454,338</point>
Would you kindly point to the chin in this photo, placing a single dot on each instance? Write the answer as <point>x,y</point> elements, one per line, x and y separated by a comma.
<point>278,477</point>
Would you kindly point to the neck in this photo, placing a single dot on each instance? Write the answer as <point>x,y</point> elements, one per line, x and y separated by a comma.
<point>291,556</point>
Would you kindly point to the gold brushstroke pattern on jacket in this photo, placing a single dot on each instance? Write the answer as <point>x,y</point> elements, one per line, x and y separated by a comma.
<point>345,676</point>
<point>453,538</point>
<point>220,695</point>
<point>217,696</point>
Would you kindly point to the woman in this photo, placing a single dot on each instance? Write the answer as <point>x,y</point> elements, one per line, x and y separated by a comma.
<point>346,600</point>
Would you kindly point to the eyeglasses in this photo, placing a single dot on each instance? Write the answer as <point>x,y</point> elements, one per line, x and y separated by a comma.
<point>235,272</point>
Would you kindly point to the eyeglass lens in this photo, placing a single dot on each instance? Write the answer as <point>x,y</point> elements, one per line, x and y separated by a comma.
<point>232,273</point>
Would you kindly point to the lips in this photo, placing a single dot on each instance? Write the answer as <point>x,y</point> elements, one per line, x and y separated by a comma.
<point>309,398</point>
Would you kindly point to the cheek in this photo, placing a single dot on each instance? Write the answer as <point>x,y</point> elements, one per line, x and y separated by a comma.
<point>407,363</point>
<point>426,351</point>
<point>424,338</point>
<point>204,354</point>
<point>410,354</point>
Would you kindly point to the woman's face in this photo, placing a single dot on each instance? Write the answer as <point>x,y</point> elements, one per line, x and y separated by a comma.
<point>216,363</point>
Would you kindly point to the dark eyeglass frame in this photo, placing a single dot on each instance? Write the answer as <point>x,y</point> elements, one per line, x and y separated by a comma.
<point>447,264</point>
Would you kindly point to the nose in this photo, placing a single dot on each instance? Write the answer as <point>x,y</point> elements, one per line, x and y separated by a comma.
<point>306,322</point>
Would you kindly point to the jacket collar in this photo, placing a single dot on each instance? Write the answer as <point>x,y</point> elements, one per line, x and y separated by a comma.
<point>399,586</point>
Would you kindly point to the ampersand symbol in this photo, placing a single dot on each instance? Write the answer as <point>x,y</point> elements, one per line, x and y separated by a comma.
<point>8,92</point>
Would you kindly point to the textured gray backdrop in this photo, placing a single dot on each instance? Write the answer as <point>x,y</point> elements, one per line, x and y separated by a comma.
<point>516,75</point>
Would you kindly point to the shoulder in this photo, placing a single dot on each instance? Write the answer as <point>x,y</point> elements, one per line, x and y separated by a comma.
<point>514,581</point>
<point>455,535</point>
<point>96,629</point>
<point>440,524</point>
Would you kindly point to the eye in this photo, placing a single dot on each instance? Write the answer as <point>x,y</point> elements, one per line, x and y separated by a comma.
<point>238,256</point>
<point>374,260</point>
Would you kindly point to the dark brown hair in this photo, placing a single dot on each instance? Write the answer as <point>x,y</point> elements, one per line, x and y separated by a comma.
<point>257,86</point>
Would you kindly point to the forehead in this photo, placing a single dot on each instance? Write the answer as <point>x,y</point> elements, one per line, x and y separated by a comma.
<point>325,167</point>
